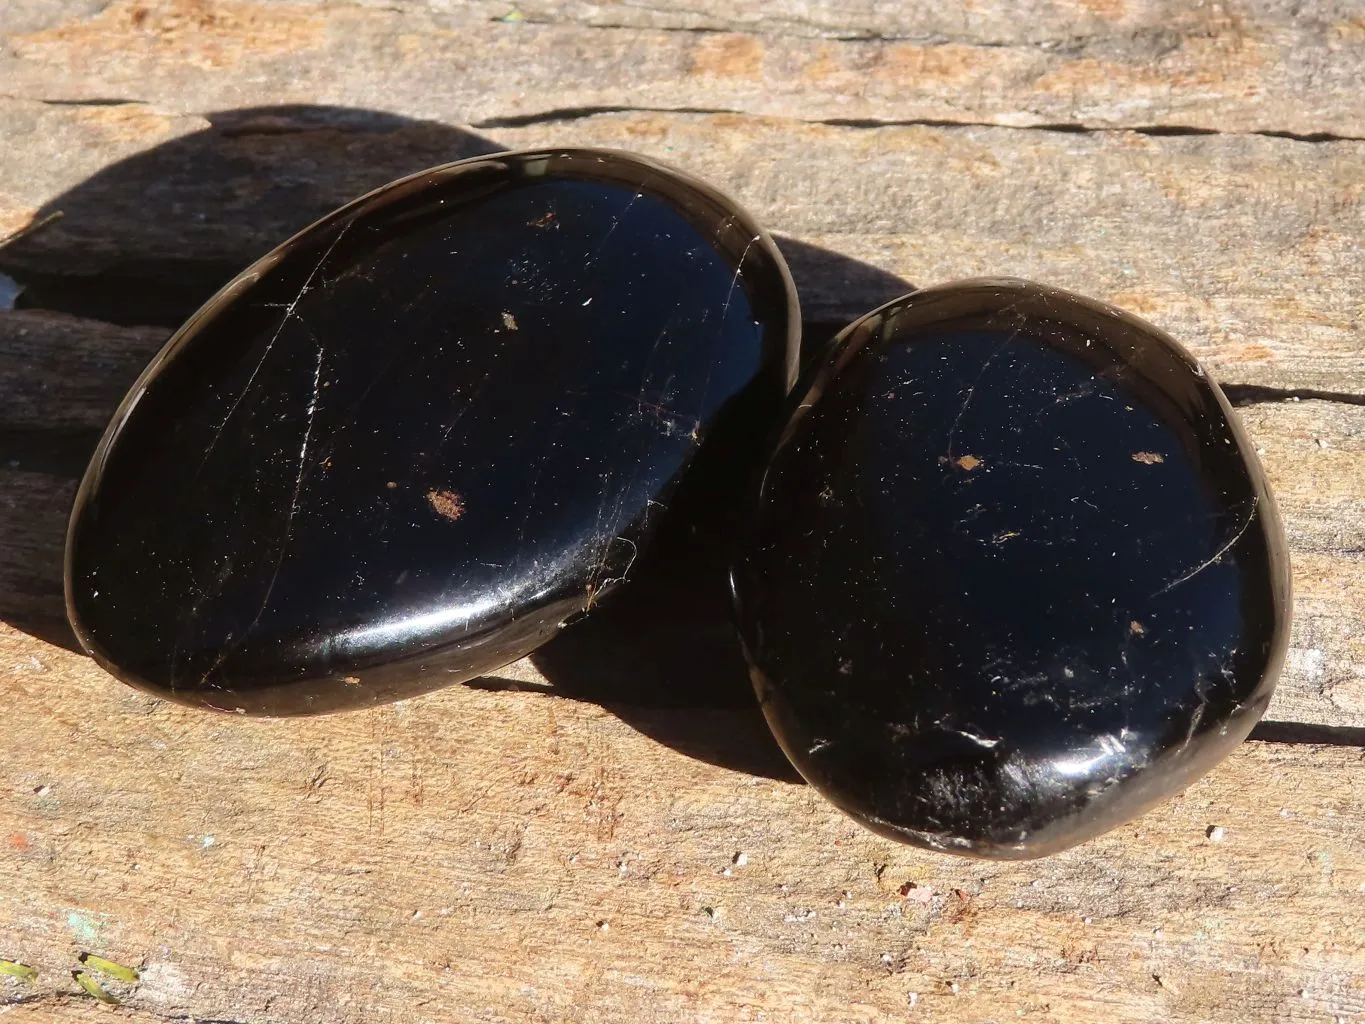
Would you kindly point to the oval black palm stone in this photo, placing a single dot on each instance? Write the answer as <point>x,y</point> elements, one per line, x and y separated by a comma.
<point>1015,574</point>
<point>404,447</point>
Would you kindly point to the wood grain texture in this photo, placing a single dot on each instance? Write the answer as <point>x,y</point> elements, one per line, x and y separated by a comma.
<point>1314,453</point>
<point>1101,63</point>
<point>1243,247</point>
<point>526,850</point>
<point>514,856</point>
<point>64,375</point>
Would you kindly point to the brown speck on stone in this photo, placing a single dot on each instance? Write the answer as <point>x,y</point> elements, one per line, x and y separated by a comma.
<point>447,504</point>
<point>1148,458</point>
<point>509,321</point>
<point>1137,628</point>
<point>543,221</point>
<point>351,680</point>
<point>967,462</point>
<point>391,484</point>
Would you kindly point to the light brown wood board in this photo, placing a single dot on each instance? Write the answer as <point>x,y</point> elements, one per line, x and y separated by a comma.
<point>504,853</point>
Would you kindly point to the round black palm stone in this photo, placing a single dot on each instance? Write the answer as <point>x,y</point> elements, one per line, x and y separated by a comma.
<point>403,448</point>
<point>1015,573</point>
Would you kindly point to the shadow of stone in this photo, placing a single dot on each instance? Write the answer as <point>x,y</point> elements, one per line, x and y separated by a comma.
<point>834,290</point>
<point>148,239</point>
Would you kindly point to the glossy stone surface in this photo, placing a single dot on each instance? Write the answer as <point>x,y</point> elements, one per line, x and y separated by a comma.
<point>1015,574</point>
<point>403,448</point>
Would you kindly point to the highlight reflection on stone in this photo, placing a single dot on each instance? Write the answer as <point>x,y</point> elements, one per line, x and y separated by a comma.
<point>1015,574</point>
<point>404,447</point>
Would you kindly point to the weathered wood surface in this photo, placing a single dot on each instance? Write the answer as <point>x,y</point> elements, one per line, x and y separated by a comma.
<point>1244,247</point>
<point>516,852</point>
<point>1099,63</point>
<point>511,856</point>
<point>1314,452</point>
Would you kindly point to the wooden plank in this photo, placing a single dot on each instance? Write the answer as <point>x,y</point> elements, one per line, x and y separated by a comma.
<point>501,853</point>
<point>72,373</point>
<point>1240,67</point>
<point>1039,22</point>
<point>1035,22</point>
<point>1241,247</point>
<point>62,375</point>
<point>1314,455</point>
<point>1265,294</point>
<point>503,856</point>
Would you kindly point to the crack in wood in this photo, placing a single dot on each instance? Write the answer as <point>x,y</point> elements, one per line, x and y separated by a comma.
<point>1241,395</point>
<point>557,115</point>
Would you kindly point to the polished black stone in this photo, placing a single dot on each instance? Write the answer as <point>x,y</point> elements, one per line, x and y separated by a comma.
<point>1015,574</point>
<point>404,447</point>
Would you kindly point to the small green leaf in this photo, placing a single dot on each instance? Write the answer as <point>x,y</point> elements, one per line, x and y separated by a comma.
<point>512,17</point>
<point>93,988</point>
<point>110,968</point>
<point>21,971</point>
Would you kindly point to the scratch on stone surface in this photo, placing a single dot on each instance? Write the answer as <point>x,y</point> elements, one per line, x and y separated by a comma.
<point>672,421</point>
<point>1084,391</point>
<point>734,281</point>
<point>289,311</point>
<point>724,312</point>
<point>293,512</point>
<point>597,582</point>
<point>932,839</point>
<point>634,554</point>
<point>616,222</point>
<point>303,455</point>
<point>529,502</point>
<point>469,404</point>
<point>980,741</point>
<point>1201,690</point>
<point>971,391</point>
<point>1251,518</point>
<point>599,567</point>
<point>664,415</point>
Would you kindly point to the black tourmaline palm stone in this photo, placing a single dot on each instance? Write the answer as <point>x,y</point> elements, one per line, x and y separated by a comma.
<point>1015,573</point>
<point>403,448</point>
